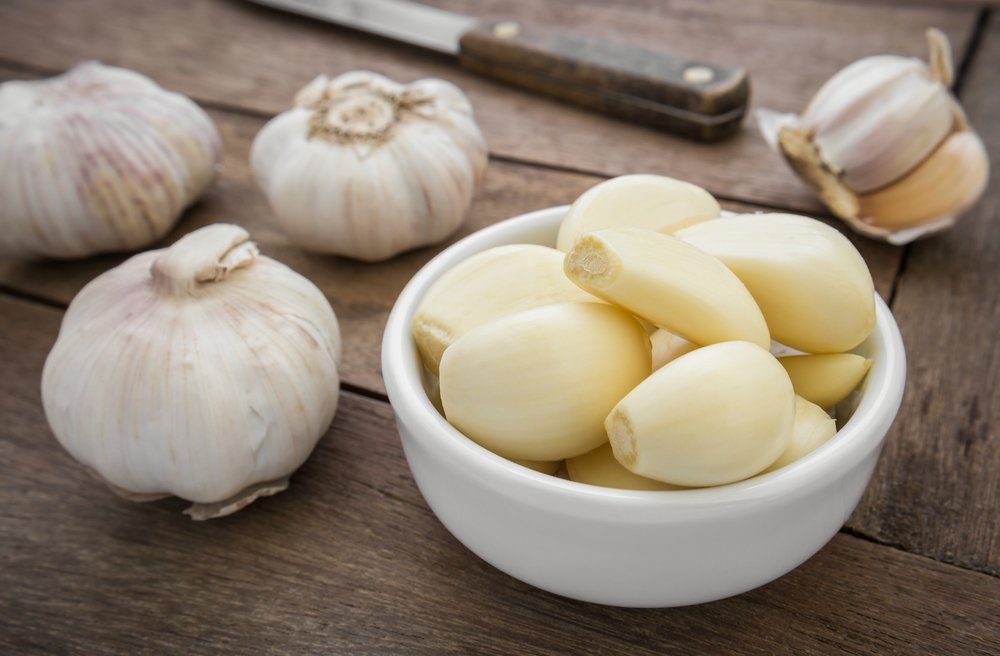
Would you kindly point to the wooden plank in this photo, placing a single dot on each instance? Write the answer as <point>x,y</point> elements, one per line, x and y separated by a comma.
<point>937,489</point>
<point>238,54</point>
<point>361,294</point>
<point>350,560</point>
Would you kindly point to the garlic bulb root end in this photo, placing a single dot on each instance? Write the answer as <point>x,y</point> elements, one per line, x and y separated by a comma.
<point>203,511</point>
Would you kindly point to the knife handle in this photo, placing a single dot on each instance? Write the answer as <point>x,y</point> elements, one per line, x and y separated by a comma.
<point>691,98</point>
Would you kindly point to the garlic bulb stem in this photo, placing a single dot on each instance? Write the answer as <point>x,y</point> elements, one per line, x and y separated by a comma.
<point>206,255</point>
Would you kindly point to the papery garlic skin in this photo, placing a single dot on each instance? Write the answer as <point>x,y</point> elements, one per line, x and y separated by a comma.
<point>201,370</point>
<point>367,168</point>
<point>886,146</point>
<point>599,467</point>
<point>825,380</point>
<point>717,415</point>
<point>538,384</point>
<point>489,285</point>
<point>813,287</point>
<point>654,202</point>
<point>98,159</point>
<point>667,282</point>
<point>813,427</point>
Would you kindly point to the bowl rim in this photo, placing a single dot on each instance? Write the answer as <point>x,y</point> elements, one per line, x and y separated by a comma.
<point>863,432</point>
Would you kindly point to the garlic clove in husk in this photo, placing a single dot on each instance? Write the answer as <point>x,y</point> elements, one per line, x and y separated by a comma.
<point>97,159</point>
<point>204,370</point>
<point>367,168</point>
<point>486,286</point>
<point>717,415</point>
<point>886,146</point>
<point>654,202</point>
<point>811,284</point>
<point>538,384</point>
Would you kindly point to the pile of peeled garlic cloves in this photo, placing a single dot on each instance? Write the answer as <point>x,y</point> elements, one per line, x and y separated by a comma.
<point>886,146</point>
<point>640,351</point>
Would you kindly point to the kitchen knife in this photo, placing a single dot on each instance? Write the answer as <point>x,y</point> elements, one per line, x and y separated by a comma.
<point>691,98</point>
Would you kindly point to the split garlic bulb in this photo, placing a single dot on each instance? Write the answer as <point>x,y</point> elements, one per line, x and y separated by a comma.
<point>97,159</point>
<point>365,167</point>
<point>204,370</point>
<point>886,146</point>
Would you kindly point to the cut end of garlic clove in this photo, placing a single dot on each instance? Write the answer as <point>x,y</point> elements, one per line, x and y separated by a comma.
<point>208,254</point>
<point>827,379</point>
<point>654,202</point>
<point>667,282</point>
<point>803,156</point>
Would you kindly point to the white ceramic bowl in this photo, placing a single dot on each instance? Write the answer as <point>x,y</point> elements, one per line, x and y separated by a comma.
<point>620,547</point>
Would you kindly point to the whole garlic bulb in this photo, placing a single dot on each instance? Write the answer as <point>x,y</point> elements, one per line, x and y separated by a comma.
<point>204,370</point>
<point>97,159</point>
<point>886,146</point>
<point>365,167</point>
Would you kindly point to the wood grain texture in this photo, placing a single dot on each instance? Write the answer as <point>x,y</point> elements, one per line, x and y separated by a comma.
<point>361,294</point>
<point>937,488</point>
<point>233,53</point>
<point>350,560</point>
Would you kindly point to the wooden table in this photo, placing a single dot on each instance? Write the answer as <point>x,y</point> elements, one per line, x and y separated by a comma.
<point>350,559</point>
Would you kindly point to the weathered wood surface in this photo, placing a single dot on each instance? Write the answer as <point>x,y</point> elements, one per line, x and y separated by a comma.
<point>937,488</point>
<point>233,53</point>
<point>350,560</point>
<point>361,294</point>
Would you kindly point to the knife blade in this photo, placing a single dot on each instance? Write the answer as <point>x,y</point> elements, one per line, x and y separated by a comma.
<point>692,98</point>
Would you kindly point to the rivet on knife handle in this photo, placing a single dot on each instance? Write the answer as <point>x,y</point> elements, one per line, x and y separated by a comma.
<point>692,98</point>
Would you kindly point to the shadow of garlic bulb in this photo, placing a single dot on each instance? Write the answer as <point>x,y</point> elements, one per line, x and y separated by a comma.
<point>367,168</point>
<point>98,159</point>
<point>204,370</point>
<point>886,146</point>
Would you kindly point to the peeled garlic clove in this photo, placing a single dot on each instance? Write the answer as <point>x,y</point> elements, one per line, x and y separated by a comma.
<point>204,370</point>
<point>813,427</point>
<point>938,191</point>
<point>812,285</point>
<point>655,202</point>
<point>599,467</point>
<point>487,286</point>
<point>668,282</point>
<point>825,380</point>
<point>717,415</point>
<point>367,168</point>
<point>549,467</point>
<point>667,347</point>
<point>538,384</point>
<point>98,159</point>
